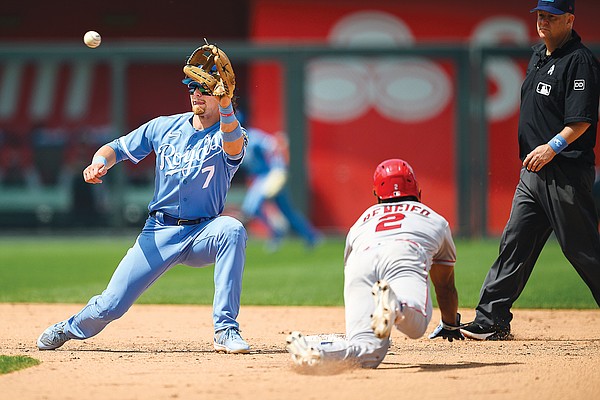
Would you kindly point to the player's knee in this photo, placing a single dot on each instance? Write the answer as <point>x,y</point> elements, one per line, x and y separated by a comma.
<point>414,332</point>
<point>414,324</point>
<point>233,230</point>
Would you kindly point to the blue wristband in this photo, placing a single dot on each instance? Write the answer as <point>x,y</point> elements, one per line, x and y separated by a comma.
<point>227,114</point>
<point>233,135</point>
<point>558,143</point>
<point>99,159</point>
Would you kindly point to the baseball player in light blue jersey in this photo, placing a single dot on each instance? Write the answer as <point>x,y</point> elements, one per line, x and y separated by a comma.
<point>266,163</point>
<point>197,154</point>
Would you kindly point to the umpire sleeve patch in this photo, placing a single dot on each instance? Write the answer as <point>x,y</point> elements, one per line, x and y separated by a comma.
<point>579,84</point>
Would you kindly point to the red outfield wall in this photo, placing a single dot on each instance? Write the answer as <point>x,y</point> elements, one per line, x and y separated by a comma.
<point>359,112</point>
<point>363,111</point>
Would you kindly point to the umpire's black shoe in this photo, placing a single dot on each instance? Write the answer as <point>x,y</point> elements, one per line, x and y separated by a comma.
<point>476,331</point>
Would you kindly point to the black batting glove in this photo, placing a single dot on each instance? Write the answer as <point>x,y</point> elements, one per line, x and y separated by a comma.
<point>448,331</point>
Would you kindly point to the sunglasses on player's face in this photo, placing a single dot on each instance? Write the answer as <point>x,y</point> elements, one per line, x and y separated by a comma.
<point>192,86</point>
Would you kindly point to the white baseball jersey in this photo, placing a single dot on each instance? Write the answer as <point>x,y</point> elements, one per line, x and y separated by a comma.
<point>397,242</point>
<point>410,221</point>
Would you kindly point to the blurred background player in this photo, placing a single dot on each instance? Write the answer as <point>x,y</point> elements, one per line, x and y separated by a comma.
<point>392,252</point>
<point>267,198</point>
<point>197,154</point>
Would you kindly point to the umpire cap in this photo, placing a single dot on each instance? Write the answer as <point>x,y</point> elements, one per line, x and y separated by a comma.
<point>557,7</point>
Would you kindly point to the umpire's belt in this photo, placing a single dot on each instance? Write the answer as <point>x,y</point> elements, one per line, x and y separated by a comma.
<point>170,220</point>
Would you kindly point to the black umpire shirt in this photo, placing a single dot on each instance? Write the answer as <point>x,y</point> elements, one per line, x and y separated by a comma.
<point>560,89</point>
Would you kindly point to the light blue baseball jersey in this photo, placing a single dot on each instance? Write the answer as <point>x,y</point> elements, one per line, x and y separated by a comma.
<point>193,173</point>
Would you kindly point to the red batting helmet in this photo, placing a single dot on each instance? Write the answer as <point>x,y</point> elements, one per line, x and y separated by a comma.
<point>395,178</point>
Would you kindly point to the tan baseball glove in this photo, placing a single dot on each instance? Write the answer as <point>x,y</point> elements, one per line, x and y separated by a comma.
<point>210,66</point>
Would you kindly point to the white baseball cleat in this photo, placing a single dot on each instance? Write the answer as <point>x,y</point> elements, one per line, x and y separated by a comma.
<point>386,309</point>
<point>302,353</point>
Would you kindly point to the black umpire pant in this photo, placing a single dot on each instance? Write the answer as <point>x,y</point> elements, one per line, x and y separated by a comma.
<point>557,198</point>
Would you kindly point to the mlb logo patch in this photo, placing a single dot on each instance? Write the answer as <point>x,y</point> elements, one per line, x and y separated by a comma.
<point>579,84</point>
<point>543,88</point>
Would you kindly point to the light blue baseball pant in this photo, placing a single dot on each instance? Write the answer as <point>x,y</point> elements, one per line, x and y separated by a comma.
<point>159,247</point>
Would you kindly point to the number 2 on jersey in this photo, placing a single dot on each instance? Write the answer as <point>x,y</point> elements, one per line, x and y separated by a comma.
<point>391,221</point>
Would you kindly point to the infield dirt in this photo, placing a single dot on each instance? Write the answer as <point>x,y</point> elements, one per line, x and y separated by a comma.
<point>165,352</point>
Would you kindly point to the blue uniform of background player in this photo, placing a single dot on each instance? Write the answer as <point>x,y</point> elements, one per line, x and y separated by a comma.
<point>197,154</point>
<point>266,164</point>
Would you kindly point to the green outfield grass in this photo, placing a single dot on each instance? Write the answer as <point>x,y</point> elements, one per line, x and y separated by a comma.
<point>71,270</point>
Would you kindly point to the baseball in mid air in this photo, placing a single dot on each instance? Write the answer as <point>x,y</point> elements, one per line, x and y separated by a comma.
<point>92,39</point>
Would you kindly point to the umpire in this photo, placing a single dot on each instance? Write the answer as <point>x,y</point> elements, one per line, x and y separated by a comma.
<point>557,134</point>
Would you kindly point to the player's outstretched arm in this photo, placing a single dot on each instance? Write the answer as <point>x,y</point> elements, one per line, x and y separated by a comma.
<point>102,161</point>
<point>230,125</point>
<point>442,277</point>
